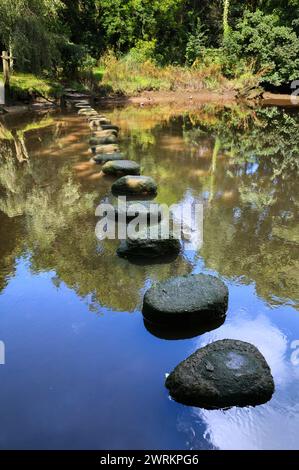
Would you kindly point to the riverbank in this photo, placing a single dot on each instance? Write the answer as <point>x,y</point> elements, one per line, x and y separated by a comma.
<point>38,94</point>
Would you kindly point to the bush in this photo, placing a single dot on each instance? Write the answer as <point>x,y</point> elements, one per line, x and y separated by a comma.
<point>196,44</point>
<point>259,39</point>
<point>143,51</point>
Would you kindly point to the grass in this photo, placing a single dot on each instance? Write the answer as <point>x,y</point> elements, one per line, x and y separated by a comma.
<point>26,83</point>
<point>25,86</point>
<point>129,77</point>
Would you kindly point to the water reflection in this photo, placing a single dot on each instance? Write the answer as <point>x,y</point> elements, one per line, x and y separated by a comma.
<point>243,165</point>
<point>260,427</point>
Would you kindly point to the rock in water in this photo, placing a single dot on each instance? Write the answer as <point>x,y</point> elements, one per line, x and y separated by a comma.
<point>82,105</point>
<point>110,127</point>
<point>83,111</point>
<point>134,185</point>
<point>87,112</point>
<point>99,149</point>
<point>197,298</point>
<point>99,134</point>
<point>107,157</point>
<point>147,245</point>
<point>149,210</point>
<point>222,374</point>
<point>121,167</point>
<point>108,139</point>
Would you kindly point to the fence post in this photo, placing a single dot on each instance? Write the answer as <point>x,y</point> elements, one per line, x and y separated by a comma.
<point>6,74</point>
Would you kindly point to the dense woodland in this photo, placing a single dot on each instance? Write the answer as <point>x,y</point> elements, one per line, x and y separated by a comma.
<point>59,38</point>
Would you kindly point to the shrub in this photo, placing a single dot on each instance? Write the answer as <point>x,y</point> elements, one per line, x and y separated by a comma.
<point>196,44</point>
<point>260,39</point>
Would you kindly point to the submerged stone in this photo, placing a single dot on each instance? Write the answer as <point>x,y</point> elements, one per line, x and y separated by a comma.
<point>193,298</point>
<point>121,167</point>
<point>134,185</point>
<point>222,374</point>
<point>107,157</point>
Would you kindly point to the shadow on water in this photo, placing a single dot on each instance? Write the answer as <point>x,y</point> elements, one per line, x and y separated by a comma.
<point>186,331</point>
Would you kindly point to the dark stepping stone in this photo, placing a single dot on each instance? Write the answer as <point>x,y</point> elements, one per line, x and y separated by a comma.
<point>186,299</point>
<point>147,245</point>
<point>223,374</point>
<point>131,209</point>
<point>110,127</point>
<point>134,185</point>
<point>107,157</point>
<point>121,167</point>
<point>100,120</point>
<point>108,139</point>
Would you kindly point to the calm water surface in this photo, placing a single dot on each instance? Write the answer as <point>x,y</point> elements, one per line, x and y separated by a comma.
<point>82,371</point>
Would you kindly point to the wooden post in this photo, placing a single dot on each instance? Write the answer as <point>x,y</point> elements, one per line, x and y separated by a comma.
<point>6,61</point>
<point>6,67</point>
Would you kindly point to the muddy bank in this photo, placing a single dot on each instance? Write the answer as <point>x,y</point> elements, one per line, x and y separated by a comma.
<point>189,100</point>
<point>280,99</point>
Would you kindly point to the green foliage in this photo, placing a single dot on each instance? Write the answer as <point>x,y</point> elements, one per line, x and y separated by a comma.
<point>260,39</point>
<point>28,29</point>
<point>63,38</point>
<point>196,43</point>
<point>143,51</point>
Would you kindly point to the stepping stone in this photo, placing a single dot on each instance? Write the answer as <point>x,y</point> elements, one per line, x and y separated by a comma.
<point>193,298</point>
<point>222,374</point>
<point>121,167</point>
<point>148,209</point>
<point>147,247</point>
<point>134,185</point>
<point>84,110</point>
<point>104,121</point>
<point>87,112</point>
<point>99,149</point>
<point>110,126</point>
<point>91,118</point>
<point>104,133</point>
<point>82,105</point>
<point>107,157</point>
<point>100,120</point>
<point>108,139</point>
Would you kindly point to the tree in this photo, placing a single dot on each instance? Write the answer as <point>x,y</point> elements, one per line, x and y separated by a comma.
<point>261,40</point>
<point>28,30</point>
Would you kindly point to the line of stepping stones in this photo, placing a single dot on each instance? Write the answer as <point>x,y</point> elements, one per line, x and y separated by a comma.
<point>222,374</point>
